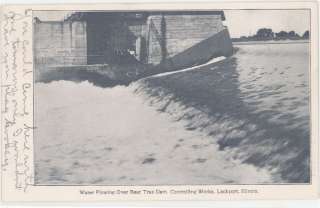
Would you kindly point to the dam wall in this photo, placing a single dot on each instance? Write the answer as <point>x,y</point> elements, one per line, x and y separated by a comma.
<point>129,48</point>
<point>59,43</point>
<point>177,41</point>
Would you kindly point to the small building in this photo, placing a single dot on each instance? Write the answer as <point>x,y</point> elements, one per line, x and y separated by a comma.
<point>169,40</point>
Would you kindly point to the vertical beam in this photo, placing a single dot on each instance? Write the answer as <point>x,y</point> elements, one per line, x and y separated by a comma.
<point>163,40</point>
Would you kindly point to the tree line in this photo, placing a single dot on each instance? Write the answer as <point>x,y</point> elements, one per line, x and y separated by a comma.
<point>264,34</point>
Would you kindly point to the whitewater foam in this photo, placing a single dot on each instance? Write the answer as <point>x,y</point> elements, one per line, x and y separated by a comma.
<point>112,136</point>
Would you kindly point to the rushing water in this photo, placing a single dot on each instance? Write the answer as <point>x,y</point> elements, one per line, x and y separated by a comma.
<point>243,120</point>
<point>275,77</point>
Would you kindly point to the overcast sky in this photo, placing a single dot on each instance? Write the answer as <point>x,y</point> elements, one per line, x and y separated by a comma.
<point>247,22</point>
<point>241,22</point>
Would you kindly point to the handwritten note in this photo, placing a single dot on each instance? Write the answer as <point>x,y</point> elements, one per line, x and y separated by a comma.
<point>17,99</point>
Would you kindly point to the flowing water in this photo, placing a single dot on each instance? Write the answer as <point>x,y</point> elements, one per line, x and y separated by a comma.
<point>244,120</point>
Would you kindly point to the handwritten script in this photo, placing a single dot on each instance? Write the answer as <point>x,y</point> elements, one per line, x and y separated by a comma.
<point>17,99</point>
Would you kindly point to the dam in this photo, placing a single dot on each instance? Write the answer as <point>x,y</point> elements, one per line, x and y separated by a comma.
<point>126,46</point>
<point>165,98</point>
<point>231,122</point>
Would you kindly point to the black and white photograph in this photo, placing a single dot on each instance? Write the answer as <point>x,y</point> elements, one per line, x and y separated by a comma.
<point>172,97</point>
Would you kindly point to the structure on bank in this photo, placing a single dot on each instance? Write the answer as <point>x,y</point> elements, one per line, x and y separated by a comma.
<point>157,40</point>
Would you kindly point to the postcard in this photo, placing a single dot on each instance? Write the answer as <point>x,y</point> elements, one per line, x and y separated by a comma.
<point>159,101</point>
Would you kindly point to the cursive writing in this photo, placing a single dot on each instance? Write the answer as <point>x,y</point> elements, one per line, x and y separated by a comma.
<point>16,91</point>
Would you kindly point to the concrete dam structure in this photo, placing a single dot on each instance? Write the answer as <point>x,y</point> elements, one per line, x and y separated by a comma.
<point>126,46</point>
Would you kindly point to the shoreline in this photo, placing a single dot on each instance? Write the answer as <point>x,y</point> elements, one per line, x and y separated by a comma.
<point>270,42</point>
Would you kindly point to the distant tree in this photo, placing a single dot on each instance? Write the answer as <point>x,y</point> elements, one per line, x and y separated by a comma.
<point>264,34</point>
<point>306,35</point>
<point>292,35</point>
<point>282,35</point>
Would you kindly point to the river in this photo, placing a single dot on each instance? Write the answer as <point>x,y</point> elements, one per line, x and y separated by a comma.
<point>244,120</point>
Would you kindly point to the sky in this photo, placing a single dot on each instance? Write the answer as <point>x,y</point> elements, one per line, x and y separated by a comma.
<point>247,22</point>
<point>51,15</point>
<point>241,22</point>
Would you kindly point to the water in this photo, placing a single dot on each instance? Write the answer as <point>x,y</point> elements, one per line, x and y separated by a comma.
<point>232,122</point>
<point>278,83</point>
<point>274,85</point>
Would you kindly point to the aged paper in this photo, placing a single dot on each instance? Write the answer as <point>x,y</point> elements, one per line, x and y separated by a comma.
<point>212,101</point>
